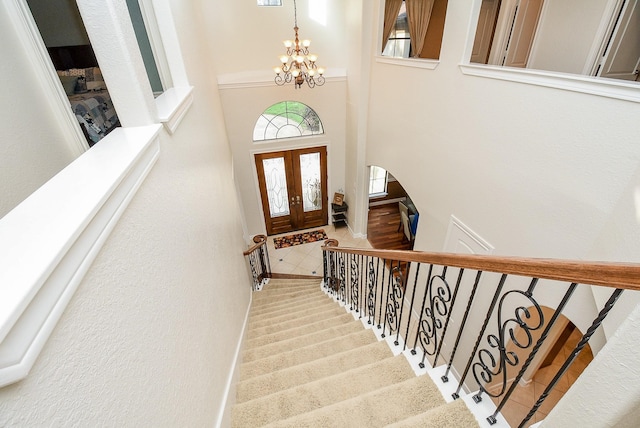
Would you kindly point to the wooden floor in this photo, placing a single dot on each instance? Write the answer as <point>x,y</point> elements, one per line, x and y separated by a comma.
<point>382,231</point>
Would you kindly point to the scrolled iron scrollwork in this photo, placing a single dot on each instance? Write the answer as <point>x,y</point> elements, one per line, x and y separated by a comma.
<point>372,279</point>
<point>526,319</point>
<point>438,308</point>
<point>394,300</point>
<point>355,283</point>
<point>343,277</point>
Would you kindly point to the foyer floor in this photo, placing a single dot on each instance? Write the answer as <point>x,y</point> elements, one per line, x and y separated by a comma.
<point>306,259</point>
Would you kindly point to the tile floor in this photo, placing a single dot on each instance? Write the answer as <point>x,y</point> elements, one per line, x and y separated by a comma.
<point>306,259</point>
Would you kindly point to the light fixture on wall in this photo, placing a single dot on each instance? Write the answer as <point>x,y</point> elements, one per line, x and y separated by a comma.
<point>298,65</point>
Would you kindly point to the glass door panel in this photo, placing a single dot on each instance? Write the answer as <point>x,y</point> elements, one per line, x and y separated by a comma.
<point>311,181</point>
<point>275,178</point>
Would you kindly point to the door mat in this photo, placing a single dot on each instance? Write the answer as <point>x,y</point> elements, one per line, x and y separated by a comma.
<point>299,238</point>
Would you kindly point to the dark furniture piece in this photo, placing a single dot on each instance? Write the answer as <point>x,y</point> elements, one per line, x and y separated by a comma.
<point>339,214</point>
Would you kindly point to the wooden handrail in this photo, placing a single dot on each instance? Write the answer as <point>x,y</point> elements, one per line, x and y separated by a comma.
<point>260,240</point>
<point>608,274</point>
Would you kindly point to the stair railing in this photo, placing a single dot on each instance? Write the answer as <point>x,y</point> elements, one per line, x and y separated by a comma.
<point>478,317</point>
<point>259,265</point>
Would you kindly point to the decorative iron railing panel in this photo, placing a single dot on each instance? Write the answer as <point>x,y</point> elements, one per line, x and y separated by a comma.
<point>258,259</point>
<point>481,318</point>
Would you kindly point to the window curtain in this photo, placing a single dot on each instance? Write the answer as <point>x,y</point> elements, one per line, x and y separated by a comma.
<point>391,10</point>
<point>418,15</point>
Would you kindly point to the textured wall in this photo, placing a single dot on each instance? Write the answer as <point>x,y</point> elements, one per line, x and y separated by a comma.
<point>536,171</point>
<point>150,335</point>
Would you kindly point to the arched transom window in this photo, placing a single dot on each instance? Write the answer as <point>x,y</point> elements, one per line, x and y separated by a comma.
<point>287,119</point>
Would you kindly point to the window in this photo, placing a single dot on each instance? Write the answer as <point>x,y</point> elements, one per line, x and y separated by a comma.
<point>377,181</point>
<point>594,38</point>
<point>144,44</point>
<point>287,119</point>
<point>413,28</point>
<point>269,2</point>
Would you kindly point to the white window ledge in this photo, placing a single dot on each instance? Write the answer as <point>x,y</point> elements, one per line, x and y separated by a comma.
<point>172,105</point>
<point>611,88</point>
<point>48,242</point>
<point>429,64</point>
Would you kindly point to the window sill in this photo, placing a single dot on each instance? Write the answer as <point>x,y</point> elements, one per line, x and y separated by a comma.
<point>172,105</point>
<point>429,64</point>
<point>48,242</point>
<point>378,195</point>
<point>611,88</point>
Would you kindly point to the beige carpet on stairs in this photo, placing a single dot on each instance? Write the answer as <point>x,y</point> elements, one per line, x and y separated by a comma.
<point>307,363</point>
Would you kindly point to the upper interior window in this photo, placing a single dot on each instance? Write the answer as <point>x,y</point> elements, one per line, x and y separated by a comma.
<point>146,50</point>
<point>587,37</point>
<point>269,2</point>
<point>75,62</point>
<point>287,119</point>
<point>413,28</point>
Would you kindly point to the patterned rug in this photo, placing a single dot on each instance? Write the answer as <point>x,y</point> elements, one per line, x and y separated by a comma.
<point>299,238</point>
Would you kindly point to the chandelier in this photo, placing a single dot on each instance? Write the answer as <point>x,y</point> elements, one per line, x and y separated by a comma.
<point>298,65</point>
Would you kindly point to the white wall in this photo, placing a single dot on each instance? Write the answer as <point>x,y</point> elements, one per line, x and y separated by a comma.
<point>243,107</point>
<point>149,337</point>
<point>566,35</point>
<point>32,148</point>
<point>535,171</point>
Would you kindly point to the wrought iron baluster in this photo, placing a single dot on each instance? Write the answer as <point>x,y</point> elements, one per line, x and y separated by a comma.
<point>424,300</point>
<point>371,295</point>
<point>428,328</point>
<point>481,370</point>
<point>413,295</point>
<point>445,377</point>
<point>446,324</point>
<point>377,285</point>
<point>403,287</point>
<point>387,298</point>
<point>361,285</point>
<point>492,419</point>
<point>496,295</point>
<point>324,267</point>
<point>355,279</point>
<point>583,342</point>
<point>384,296</point>
<point>394,300</point>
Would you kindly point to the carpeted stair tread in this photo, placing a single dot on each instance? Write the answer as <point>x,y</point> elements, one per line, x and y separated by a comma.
<point>283,323</point>
<point>289,312</point>
<point>306,354</point>
<point>289,301</point>
<point>374,409</point>
<point>304,373</point>
<point>336,319</point>
<point>324,392</point>
<point>284,294</point>
<point>451,415</point>
<point>302,341</point>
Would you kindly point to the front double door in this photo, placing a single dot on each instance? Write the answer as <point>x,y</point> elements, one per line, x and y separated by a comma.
<point>293,188</point>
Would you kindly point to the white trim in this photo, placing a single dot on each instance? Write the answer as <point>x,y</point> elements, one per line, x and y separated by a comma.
<point>172,105</point>
<point>386,202</point>
<point>455,223</point>
<point>48,242</point>
<point>611,88</point>
<point>53,93</point>
<point>155,40</point>
<point>429,64</point>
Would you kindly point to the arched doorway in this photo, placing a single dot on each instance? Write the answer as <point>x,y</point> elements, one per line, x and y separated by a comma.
<point>393,217</point>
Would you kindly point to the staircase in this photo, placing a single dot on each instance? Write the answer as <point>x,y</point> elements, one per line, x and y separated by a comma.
<point>308,363</point>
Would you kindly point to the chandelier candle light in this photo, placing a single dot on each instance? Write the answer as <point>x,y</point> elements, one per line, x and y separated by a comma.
<point>298,65</point>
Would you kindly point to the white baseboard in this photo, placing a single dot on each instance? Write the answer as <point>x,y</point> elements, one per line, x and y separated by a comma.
<point>228,398</point>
